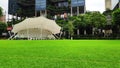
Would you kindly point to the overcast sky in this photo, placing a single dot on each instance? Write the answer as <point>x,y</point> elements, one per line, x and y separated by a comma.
<point>4,4</point>
<point>95,5</point>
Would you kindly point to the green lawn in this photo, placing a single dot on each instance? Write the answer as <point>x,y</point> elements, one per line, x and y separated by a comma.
<point>60,54</point>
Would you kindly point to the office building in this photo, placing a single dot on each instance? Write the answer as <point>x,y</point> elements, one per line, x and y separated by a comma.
<point>111,4</point>
<point>49,7</point>
<point>13,7</point>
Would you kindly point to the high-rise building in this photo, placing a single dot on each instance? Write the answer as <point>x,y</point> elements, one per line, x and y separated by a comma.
<point>119,3</point>
<point>111,4</point>
<point>13,7</point>
<point>50,7</point>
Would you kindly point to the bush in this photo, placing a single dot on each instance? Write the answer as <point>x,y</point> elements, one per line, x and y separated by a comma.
<point>3,28</point>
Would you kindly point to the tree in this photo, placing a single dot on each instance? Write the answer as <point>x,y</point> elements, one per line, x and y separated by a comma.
<point>77,23</point>
<point>98,20</point>
<point>108,12</point>
<point>116,17</point>
<point>1,13</point>
<point>70,29</point>
<point>81,23</point>
<point>116,20</point>
<point>95,20</point>
<point>3,27</point>
<point>62,23</point>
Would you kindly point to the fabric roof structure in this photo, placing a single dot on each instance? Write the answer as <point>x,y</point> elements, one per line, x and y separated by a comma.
<point>38,27</point>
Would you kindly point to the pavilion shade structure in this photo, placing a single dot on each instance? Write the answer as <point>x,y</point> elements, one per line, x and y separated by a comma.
<point>39,27</point>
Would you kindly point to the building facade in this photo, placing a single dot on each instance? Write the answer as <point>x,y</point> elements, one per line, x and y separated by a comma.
<point>119,3</point>
<point>111,4</point>
<point>12,7</point>
<point>50,7</point>
<point>3,18</point>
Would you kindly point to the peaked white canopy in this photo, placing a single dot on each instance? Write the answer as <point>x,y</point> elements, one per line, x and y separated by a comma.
<point>36,27</point>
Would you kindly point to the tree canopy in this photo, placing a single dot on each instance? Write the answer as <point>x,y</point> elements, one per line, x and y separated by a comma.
<point>3,27</point>
<point>116,17</point>
<point>1,13</point>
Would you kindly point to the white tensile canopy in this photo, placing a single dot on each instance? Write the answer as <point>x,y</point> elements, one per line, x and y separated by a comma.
<point>38,27</point>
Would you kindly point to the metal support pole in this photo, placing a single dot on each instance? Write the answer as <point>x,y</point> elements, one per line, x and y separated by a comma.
<point>41,33</point>
<point>28,33</point>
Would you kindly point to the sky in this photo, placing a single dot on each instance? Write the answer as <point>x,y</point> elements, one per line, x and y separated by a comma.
<point>4,4</point>
<point>91,5</point>
<point>95,5</point>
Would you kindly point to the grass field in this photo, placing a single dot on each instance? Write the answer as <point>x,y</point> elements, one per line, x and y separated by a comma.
<point>60,54</point>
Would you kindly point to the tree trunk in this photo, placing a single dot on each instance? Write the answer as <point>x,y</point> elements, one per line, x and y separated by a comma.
<point>61,34</point>
<point>78,32</point>
<point>71,38</point>
<point>93,31</point>
<point>118,30</point>
<point>64,33</point>
<point>84,32</point>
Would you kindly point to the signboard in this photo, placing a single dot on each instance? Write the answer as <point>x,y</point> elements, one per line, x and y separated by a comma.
<point>13,6</point>
<point>40,5</point>
<point>75,3</point>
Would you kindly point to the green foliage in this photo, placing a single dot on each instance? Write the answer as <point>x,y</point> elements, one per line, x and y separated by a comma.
<point>107,12</point>
<point>1,13</point>
<point>59,10</point>
<point>83,22</point>
<point>96,19</point>
<point>14,21</point>
<point>70,28</point>
<point>60,54</point>
<point>62,23</point>
<point>67,25</point>
<point>116,17</point>
<point>77,21</point>
<point>3,27</point>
